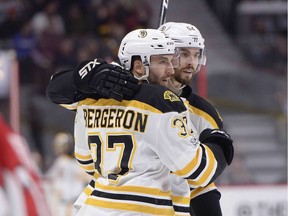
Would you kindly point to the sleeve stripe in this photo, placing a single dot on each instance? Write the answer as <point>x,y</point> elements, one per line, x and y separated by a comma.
<point>88,168</point>
<point>200,190</point>
<point>92,173</point>
<point>190,166</point>
<point>82,157</point>
<point>201,167</point>
<point>72,106</point>
<point>85,162</point>
<point>208,172</point>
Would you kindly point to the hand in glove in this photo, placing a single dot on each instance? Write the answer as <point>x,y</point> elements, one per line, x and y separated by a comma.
<point>222,139</point>
<point>108,80</point>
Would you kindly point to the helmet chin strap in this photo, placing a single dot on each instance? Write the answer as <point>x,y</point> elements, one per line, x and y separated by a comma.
<point>173,88</point>
<point>145,76</point>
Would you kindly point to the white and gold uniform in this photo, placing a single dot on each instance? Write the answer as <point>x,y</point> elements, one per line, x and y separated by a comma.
<point>205,169</point>
<point>133,145</point>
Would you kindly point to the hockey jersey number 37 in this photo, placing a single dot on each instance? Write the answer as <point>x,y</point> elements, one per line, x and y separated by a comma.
<point>133,145</point>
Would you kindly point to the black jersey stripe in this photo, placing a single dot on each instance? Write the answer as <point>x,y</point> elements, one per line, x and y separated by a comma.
<point>202,165</point>
<point>92,183</point>
<point>85,162</point>
<point>127,197</point>
<point>181,209</point>
<point>90,173</point>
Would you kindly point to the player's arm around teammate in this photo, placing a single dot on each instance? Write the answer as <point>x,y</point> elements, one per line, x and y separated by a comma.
<point>162,79</point>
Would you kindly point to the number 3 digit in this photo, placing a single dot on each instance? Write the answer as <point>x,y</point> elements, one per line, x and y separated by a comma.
<point>127,148</point>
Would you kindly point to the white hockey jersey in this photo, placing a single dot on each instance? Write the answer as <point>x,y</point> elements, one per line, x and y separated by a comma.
<point>133,145</point>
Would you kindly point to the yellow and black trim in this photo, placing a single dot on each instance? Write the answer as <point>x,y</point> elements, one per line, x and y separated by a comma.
<point>202,108</point>
<point>132,198</point>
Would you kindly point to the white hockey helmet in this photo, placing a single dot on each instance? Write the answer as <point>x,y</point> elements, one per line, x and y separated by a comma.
<point>185,35</point>
<point>144,43</point>
<point>63,143</point>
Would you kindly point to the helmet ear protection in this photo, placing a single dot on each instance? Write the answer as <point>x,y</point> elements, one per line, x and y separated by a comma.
<point>186,35</point>
<point>144,43</point>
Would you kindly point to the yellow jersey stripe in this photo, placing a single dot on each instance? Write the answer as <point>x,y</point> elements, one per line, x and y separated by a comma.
<point>203,114</point>
<point>211,166</point>
<point>87,190</point>
<point>96,174</point>
<point>180,200</point>
<point>190,166</point>
<point>82,157</point>
<point>133,189</point>
<point>130,207</point>
<point>201,190</point>
<point>125,103</point>
<point>88,168</point>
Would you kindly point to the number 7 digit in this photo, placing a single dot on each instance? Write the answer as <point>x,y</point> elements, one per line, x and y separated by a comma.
<point>114,141</point>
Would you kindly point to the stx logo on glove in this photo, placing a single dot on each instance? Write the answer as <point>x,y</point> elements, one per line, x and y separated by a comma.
<point>220,132</point>
<point>87,68</point>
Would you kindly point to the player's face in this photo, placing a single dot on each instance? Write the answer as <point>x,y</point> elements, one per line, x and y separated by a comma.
<point>188,62</point>
<point>160,69</point>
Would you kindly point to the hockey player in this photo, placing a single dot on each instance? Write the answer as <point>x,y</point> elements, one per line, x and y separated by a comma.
<point>143,58</point>
<point>203,115</point>
<point>65,176</point>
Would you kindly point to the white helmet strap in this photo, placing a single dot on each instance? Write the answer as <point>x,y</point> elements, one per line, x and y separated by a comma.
<point>145,75</point>
<point>172,87</point>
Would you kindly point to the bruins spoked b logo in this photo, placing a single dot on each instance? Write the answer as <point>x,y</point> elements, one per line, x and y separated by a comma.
<point>190,28</point>
<point>169,95</point>
<point>142,33</point>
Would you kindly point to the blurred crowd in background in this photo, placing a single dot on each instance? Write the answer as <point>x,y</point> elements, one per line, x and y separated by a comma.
<point>53,35</point>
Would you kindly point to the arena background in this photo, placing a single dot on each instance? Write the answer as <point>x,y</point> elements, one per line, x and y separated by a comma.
<point>245,78</point>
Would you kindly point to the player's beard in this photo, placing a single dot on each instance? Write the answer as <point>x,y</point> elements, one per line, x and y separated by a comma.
<point>183,77</point>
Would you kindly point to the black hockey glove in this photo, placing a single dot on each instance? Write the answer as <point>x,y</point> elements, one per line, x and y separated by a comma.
<point>222,139</point>
<point>108,80</point>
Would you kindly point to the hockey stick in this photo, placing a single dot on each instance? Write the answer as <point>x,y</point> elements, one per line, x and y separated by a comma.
<point>163,12</point>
